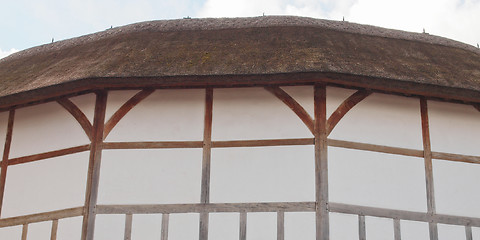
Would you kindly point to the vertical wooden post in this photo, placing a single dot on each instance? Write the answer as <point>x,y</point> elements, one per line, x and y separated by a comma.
<point>280,225</point>
<point>94,167</point>
<point>207,147</point>
<point>396,229</point>
<point>165,219</point>
<point>53,233</point>
<point>468,233</point>
<point>243,225</point>
<point>362,233</point>
<point>427,155</point>
<point>321,163</point>
<point>6,152</point>
<point>24,231</point>
<point>128,227</point>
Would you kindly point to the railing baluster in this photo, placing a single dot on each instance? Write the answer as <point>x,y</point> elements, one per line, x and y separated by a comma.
<point>468,232</point>
<point>24,231</point>
<point>243,225</point>
<point>280,225</point>
<point>396,229</point>
<point>165,218</point>
<point>361,228</point>
<point>128,227</point>
<point>53,234</point>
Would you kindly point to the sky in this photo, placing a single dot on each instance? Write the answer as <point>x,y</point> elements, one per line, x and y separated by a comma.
<point>25,23</point>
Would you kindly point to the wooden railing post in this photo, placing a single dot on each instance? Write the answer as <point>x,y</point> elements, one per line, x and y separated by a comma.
<point>321,163</point>
<point>94,167</point>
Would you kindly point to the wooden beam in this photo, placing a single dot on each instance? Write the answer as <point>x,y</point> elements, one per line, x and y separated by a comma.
<point>210,207</point>
<point>41,217</point>
<point>128,227</point>
<point>321,163</point>
<point>6,153</point>
<point>346,106</point>
<point>361,228</point>
<point>53,232</point>
<point>293,105</point>
<point>280,225</point>
<point>206,162</point>
<point>375,148</point>
<point>263,143</point>
<point>397,234</point>
<point>165,220</point>
<point>93,174</point>
<point>428,167</point>
<point>477,106</point>
<point>243,226</point>
<point>124,109</point>
<point>24,231</point>
<point>152,145</point>
<point>468,233</point>
<point>78,115</point>
<point>46,155</point>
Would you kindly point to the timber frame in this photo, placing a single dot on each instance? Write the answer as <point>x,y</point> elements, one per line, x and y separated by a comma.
<point>319,126</point>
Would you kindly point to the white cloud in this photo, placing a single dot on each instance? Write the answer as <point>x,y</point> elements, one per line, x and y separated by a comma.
<point>7,52</point>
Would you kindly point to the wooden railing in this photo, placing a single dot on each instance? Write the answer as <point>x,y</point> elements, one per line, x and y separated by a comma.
<point>243,208</point>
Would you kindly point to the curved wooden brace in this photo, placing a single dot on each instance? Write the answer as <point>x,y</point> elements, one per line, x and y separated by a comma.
<point>124,109</point>
<point>78,115</point>
<point>292,104</point>
<point>343,109</point>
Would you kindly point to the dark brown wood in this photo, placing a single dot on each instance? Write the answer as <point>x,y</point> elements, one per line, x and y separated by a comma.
<point>428,168</point>
<point>6,153</point>
<point>456,157</point>
<point>152,145</point>
<point>78,115</point>
<point>206,160</point>
<point>93,174</point>
<point>263,143</point>
<point>124,109</point>
<point>346,106</point>
<point>321,163</point>
<point>293,105</point>
<point>46,155</point>
<point>24,231</point>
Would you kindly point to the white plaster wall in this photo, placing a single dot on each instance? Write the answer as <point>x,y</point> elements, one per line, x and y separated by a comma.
<point>253,113</point>
<point>86,104</point>
<point>47,185</point>
<point>165,115</point>
<point>223,226</point>
<point>150,176</point>
<point>263,174</point>
<point>376,179</point>
<point>45,127</point>
<point>449,232</point>
<point>454,128</point>
<point>343,226</point>
<point>412,230</point>
<point>378,228</point>
<point>380,119</point>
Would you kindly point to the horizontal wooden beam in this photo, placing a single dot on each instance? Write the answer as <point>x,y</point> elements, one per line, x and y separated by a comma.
<point>208,207</point>
<point>375,148</point>
<point>263,143</point>
<point>152,145</point>
<point>52,154</point>
<point>41,217</point>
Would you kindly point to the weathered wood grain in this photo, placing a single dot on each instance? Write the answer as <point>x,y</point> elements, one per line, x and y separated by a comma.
<point>78,115</point>
<point>397,233</point>
<point>243,226</point>
<point>124,109</point>
<point>361,228</point>
<point>24,231</point>
<point>428,167</point>
<point>93,174</point>
<point>128,227</point>
<point>41,217</point>
<point>346,106</point>
<point>6,152</point>
<point>152,145</point>
<point>51,154</point>
<point>321,163</point>
<point>165,220</point>
<point>262,143</point>
<point>293,105</point>
<point>206,162</point>
<point>280,225</point>
<point>53,232</point>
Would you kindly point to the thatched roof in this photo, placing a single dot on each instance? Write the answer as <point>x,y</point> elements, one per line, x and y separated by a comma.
<point>237,51</point>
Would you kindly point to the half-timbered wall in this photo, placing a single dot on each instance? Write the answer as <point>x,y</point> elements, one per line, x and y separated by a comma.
<point>291,162</point>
